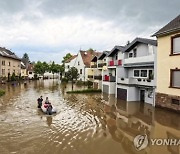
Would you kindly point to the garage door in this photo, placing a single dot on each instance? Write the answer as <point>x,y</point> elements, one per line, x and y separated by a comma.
<point>106,89</point>
<point>122,94</point>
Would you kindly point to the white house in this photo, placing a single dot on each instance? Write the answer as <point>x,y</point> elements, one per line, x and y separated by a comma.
<point>70,63</point>
<point>83,61</point>
<point>136,76</point>
<point>113,59</point>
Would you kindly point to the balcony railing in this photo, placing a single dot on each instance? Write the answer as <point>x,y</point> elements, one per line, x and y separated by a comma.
<point>90,76</point>
<point>109,78</point>
<point>115,63</point>
<point>94,66</point>
<point>98,77</point>
<point>101,64</point>
<point>134,81</point>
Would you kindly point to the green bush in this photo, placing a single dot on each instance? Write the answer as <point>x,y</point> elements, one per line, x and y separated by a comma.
<point>64,80</point>
<point>85,91</point>
<point>79,82</point>
<point>2,92</point>
<point>13,77</point>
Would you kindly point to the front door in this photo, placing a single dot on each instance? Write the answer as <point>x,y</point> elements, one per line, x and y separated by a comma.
<point>142,95</point>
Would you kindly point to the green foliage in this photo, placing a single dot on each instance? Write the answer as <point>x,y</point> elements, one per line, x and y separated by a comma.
<point>65,80</point>
<point>25,58</point>
<point>85,91</point>
<point>66,57</point>
<point>13,77</point>
<point>41,68</point>
<point>2,92</point>
<point>72,75</point>
<point>79,83</point>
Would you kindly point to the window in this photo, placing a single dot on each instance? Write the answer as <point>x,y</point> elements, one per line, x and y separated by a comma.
<point>116,56</point>
<point>68,66</point>
<point>175,78</point>
<point>151,74</point>
<point>3,63</point>
<point>9,64</point>
<point>175,101</point>
<point>3,71</point>
<point>78,63</point>
<point>130,55</point>
<point>30,72</point>
<point>175,45</point>
<point>135,52</point>
<point>80,71</point>
<point>143,73</point>
<point>136,73</point>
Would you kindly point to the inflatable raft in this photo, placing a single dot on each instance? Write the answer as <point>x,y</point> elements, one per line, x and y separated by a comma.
<point>48,111</point>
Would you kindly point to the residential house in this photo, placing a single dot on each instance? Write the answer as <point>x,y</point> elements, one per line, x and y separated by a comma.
<point>9,63</point>
<point>135,77</point>
<point>30,71</point>
<point>95,74</point>
<point>168,65</point>
<point>83,61</point>
<point>113,60</point>
<point>23,70</point>
<point>70,63</point>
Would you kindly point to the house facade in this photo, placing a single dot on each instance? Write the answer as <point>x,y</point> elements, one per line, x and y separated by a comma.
<point>136,76</point>
<point>113,60</point>
<point>9,63</point>
<point>70,63</point>
<point>168,65</point>
<point>83,62</point>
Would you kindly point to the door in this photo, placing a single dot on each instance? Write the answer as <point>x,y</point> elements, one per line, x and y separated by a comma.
<point>142,95</point>
<point>122,94</point>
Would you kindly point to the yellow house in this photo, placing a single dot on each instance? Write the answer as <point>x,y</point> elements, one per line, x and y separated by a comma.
<point>9,63</point>
<point>168,65</point>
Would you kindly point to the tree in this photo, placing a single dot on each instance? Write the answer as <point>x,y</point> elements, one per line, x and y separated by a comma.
<point>25,59</point>
<point>60,70</point>
<point>41,68</point>
<point>54,68</point>
<point>66,57</point>
<point>72,75</point>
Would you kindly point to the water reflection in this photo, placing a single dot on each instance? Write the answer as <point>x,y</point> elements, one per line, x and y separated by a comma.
<point>84,124</point>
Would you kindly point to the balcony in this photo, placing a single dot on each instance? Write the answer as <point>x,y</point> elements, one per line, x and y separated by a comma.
<point>94,66</point>
<point>115,63</point>
<point>109,78</point>
<point>101,64</point>
<point>139,60</point>
<point>134,81</point>
<point>90,76</point>
<point>98,77</point>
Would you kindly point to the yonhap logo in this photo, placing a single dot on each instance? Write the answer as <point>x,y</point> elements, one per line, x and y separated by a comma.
<point>140,142</point>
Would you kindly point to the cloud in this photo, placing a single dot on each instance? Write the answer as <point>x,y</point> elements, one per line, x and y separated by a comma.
<point>57,26</point>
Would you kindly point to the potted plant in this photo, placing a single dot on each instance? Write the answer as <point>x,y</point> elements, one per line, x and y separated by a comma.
<point>148,80</point>
<point>139,79</point>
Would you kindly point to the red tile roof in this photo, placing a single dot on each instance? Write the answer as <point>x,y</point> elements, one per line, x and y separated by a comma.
<point>88,55</point>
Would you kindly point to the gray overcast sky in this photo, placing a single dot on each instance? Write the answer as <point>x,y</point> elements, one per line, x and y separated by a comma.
<point>48,29</point>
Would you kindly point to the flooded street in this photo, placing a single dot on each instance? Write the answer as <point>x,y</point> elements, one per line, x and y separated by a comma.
<point>84,123</point>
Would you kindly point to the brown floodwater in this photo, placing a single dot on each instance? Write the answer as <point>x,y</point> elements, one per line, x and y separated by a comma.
<point>84,123</point>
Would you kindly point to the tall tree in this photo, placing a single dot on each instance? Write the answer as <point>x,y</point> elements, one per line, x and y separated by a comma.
<point>54,68</point>
<point>41,68</point>
<point>66,57</point>
<point>72,75</point>
<point>25,59</point>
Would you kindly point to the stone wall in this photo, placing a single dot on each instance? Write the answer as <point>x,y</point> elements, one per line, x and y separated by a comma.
<point>165,101</point>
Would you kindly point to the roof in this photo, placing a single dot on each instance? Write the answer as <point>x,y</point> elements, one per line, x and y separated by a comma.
<point>9,54</point>
<point>73,57</point>
<point>137,41</point>
<point>23,66</point>
<point>171,27</point>
<point>104,54</point>
<point>115,50</point>
<point>88,55</point>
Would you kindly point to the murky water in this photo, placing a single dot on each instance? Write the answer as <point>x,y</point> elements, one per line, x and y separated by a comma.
<point>84,124</point>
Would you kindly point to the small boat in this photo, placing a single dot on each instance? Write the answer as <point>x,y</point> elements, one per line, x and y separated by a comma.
<point>48,111</point>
